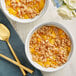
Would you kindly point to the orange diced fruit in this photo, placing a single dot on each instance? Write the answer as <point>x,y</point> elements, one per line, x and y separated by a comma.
<point>17,8</point>
<point>40,63</point>
<point>44,37</point>
<point>32,50</point>
<point>54,63</point>
<point>62,36</point>
<point>17,0</point>
<point>7,3</point>
<point>52,41</point>
<point>39,39</point>
<point>53,35</point>
<point>37,10</point>
<point>26,17</point>
<point>41,4</point>
<point>48,59</point>
<point>69,48</point>
<point>60,31</point>
<point>46,63</point>
<point>12,11</point>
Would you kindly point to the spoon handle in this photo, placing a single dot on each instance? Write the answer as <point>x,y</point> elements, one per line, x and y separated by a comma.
<point>23,72</point>
<point>16,63</point>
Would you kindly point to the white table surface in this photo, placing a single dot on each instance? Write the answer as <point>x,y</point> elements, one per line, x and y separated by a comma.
<point>51,16</point>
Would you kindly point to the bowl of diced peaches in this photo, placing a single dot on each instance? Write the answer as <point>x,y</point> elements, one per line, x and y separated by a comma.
<point>24,11</point>
<point>49,46</point>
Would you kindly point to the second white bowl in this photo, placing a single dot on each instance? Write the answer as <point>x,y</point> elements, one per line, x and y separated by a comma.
<point>3,5</point>
<point>29,56</point>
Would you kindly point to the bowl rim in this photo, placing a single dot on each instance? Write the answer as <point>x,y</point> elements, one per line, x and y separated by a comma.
<point>14,18</point>
<point>27,48</point>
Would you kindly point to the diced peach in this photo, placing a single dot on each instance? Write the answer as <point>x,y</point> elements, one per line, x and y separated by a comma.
<point>37,10</point>
<point>12,11</point>
<point>60,31</point>
<point>39,39</point>
<point>69,48</point>
<point>48,59</point>
<point>17,0</point>
<point>17,8</point>
<point>44,37</point>
<point>53,35</point>
<point>40,63</point>
<point>52,41</point>
<point>62,36</point>
<point>26,17</point>
<point>53,62</point>
<point>41,4</point>
<point>32,50</point>
<point>46,63</point>
<point>8,3</point>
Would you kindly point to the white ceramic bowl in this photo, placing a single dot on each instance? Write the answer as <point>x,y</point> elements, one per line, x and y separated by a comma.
<point>3,5</point>
<point>29,56</point>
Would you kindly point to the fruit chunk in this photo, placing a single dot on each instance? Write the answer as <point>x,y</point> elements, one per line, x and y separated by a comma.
<point>12,11</point>
<point>26,17</point>
<point>41,4</point>
<point>17,0</point>
<point>52,41</point>
<point>8,3</point>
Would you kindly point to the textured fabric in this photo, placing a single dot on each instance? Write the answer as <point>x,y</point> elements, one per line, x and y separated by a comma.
<point>58,3</point>
<point>6,68</point>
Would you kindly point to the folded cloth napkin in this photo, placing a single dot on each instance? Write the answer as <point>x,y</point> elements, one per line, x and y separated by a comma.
<point>59,3</point>
<point>6,68</point>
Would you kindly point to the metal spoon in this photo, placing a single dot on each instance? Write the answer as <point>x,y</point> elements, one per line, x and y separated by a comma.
<point>4,36</point>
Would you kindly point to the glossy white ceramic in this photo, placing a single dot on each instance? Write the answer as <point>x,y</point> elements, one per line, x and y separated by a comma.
<point>3,5</point>
<point>28,54</point>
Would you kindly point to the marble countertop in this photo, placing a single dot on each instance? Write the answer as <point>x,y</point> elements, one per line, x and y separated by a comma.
<point>51,16</point>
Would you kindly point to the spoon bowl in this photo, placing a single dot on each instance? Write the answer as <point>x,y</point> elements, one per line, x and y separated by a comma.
<point>4,33</point>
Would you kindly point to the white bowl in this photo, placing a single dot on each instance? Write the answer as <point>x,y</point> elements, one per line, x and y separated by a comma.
<point>3,5</point>
<point>29,56</point>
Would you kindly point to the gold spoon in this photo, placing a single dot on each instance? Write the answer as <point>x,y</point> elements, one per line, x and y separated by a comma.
<point>4,36</point>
